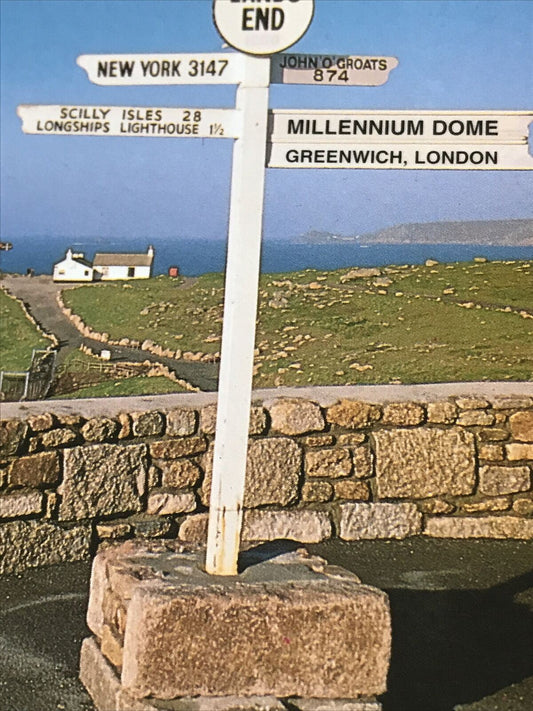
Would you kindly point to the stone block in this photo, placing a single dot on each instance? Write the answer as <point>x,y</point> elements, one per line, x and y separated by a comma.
<point>435,506</point>
<point>208,420</point>
<point>351,439</point>
<point>163,502</point>
<point>403,414</point>
<point>35,470</point>
<point>334,705</point>
<point>154,477</point>
<point>351,490</point>
<point>194,529</point>
<point>100,429</point>
<point>513,402</point>
<point>317,491</point>
<point>21,503</point>
<point>362,459</point>
<point>176,448</point>
<point>266,632</point>
<point>51,500</point>
<point>181,422</point>
<point>378,520</point>
<point>60,437</point>
<point>101,480</point>
<point>319,440</point>
<point>521,424</point>
<point>441,412</point>
<point>494,480</point>
<point>42,422</point>
<point>491,452</point>
<point>148,526</point>
<point>523,506</point>
<point>71,420</point>
<point>28,544</point>
<point>178,473</point>
<point>103,685</point>
<point>12,436</point>
<point>500,503</point>
<point>294,416</point>
<point>471,403</point>
<point>125,426</point>
<point>493,434</point>
<point>148,424</point>
<point>272,472</point>
<point>353,414</point>
<point>475,418</point>
<point>111,646</point>
<point>424,462</point>
<point>126,702</point>
<point>113,529</point>
<point>517,452</point>
<point>300,525</point>
<point>504,526</point>
<point>98,676</point>
<point>328,463</point>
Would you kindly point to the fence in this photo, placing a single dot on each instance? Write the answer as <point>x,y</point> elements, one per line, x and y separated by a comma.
<point>32,384</point>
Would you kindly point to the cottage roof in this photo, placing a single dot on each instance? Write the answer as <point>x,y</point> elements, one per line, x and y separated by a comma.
<point>78,258</point>
<point>116,259</point>
<point>83,261</point>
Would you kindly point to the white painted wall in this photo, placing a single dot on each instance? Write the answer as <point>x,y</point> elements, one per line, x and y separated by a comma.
<point>121,272</point>
<point>69,269</point>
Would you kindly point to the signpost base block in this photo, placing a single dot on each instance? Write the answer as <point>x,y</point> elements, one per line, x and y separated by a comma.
<point>288,632</point>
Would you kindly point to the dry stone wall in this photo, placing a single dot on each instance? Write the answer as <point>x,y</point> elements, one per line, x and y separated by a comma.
<point>459,467</point>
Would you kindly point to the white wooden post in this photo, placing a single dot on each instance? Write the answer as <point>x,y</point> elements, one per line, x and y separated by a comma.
<point>240,311</point>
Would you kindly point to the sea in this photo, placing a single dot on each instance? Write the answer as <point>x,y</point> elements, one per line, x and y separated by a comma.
<point>194,257</point>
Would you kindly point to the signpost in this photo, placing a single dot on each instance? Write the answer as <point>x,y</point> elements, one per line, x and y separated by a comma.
<point>162,69</point>
<point>130,121</point>
<point>278,139</point>
<point>331,70</point>
<point>400,139</point>
<point>262,27</point>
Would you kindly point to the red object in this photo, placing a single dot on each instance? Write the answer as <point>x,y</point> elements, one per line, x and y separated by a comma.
<point>173,271</point>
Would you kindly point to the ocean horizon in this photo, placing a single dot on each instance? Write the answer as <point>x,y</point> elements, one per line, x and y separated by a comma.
<point>194,257</point>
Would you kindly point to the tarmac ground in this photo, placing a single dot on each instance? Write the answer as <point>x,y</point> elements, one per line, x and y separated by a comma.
<point>462,614</point>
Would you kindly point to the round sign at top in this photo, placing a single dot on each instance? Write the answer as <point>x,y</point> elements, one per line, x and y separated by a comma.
<point>262,26</point>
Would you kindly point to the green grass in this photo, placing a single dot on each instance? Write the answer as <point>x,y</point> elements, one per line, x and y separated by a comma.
<point>82,372</point>
<point>409,325</point>
<point>18,336</point>
<point>126,386</point>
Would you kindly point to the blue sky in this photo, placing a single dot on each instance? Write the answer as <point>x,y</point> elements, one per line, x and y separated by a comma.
<point>452,55</point>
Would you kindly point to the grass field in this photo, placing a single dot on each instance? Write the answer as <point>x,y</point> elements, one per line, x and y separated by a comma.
<point>408,324</point>
<point>18,336</point>
<point>82,375</point>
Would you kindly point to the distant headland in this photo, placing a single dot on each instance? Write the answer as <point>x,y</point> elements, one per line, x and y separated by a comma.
<point>482,232</point>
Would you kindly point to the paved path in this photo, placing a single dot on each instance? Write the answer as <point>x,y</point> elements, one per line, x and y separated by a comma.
<point>39,294</point>
<point>462,616</point>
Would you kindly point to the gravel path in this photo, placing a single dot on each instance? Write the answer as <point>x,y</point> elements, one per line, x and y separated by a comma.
<point>39,294</point>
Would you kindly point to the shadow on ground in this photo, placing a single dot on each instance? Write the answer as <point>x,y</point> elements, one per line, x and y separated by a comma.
<point>458,646</point>
<point>462,624</point>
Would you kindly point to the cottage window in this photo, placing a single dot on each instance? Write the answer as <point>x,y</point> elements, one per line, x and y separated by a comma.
<point>131,271</point>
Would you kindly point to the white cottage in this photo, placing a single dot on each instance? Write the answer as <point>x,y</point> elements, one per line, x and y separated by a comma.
<point>73,268</point>
<point>112,265</point>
